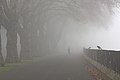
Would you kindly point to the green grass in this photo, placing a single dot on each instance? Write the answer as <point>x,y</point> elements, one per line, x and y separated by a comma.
<point>6,69</point>
<point>12,66</point>
<point>9,67</point>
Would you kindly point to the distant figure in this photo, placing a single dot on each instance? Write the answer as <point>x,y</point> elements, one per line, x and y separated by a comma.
<point>69,51</point>
<point>99,47</point>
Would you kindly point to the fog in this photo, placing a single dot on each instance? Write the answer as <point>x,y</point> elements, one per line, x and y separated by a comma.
<point>107,38</point>
<point>77,35</point>
<point>54,26</point>
<point>46,39</point>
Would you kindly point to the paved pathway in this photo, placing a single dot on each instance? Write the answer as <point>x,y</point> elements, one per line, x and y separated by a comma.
<point>60,67</point>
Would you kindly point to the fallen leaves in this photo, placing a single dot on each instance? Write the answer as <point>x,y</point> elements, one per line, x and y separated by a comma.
<point>94,73</point>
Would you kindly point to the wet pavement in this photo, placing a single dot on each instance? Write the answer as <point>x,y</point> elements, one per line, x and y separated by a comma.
<point>61,67</point>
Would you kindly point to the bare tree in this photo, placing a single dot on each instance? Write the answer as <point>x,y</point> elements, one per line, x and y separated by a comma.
<point>10,21</point>
<point>29,19</point>
<point>2,63</point>
<point>92,12</point>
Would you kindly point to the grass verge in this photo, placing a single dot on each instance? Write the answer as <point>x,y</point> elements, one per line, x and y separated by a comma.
<point>12,66</point>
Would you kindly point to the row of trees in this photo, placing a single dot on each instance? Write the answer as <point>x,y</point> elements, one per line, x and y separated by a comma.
<point>16,17</point>
<point>28,19</point>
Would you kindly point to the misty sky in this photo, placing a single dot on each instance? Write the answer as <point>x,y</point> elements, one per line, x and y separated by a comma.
<point>78,35</point>
<point>89,29</point>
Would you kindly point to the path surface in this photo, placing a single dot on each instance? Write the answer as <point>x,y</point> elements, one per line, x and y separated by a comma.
<point>60,67</point>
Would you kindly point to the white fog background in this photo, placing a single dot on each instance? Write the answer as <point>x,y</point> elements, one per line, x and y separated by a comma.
<point>76,37</point>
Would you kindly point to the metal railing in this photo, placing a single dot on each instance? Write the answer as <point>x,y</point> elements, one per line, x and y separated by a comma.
<point>108,58</point>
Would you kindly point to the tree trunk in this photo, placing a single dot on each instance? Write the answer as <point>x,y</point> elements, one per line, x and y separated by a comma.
<point>25,45</point>
<point>35,42</point>
<point>25,49</point>
<point>12,54</point>
<point>1,56</point>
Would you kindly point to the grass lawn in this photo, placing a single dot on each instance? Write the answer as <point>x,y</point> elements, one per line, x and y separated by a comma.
<point>11,66</point>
